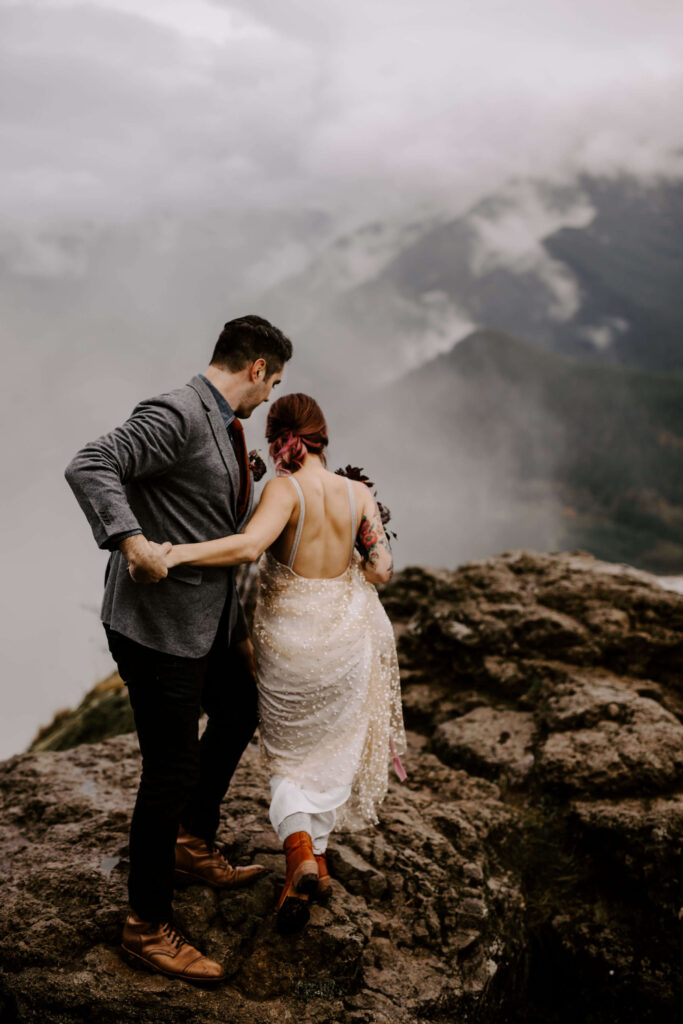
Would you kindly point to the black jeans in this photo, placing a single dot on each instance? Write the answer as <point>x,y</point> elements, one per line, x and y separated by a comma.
<point>183,779</point>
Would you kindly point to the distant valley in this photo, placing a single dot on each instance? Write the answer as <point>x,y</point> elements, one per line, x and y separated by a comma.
<point>497,445</point>
<point>516,370</point>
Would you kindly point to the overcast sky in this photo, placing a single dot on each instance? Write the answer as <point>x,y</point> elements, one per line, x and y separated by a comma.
<point>114,109</point>
<point>159,159</point>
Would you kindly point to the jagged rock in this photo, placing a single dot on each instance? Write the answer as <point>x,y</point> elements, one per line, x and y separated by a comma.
<point>491,741</point>
<point>629,744</point>
<point>587,658</point>
<point>104,712</point>
<point>529,871</point>
<point>397,935</point>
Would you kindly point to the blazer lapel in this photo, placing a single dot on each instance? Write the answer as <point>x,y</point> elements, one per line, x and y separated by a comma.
<point>220,435</point>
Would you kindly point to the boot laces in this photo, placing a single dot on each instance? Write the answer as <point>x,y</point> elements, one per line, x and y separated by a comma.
<point>215,852</point>
<point>173,934</point>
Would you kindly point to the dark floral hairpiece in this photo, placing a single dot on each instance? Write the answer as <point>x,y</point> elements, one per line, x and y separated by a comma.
<point>356,473</point>
<point>256,465</point>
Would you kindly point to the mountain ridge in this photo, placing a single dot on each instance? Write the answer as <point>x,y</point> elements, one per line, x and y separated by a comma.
<point>589,268</point>
<point>595,452</point>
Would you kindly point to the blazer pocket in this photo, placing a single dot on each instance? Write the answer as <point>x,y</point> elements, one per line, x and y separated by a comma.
<point>186,574</point>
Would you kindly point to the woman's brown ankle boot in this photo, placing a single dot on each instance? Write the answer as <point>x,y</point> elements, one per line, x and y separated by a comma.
<point>300,882</point>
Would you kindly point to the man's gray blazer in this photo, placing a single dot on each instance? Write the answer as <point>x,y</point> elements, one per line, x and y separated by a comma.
<point>171,471</point>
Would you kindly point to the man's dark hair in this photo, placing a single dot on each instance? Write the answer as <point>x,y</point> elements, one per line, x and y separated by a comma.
<point>248,338</point>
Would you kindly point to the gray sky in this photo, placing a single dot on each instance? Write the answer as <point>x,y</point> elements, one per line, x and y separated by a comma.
<point>160,159</point>
<point>114,110</point>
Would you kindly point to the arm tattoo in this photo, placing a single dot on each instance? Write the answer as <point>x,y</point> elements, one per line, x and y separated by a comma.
<point>368,540</point>
<point>371,537</point>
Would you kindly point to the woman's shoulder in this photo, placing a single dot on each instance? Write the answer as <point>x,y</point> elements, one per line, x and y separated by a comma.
<point>363,493</point>
<point>278,488</point>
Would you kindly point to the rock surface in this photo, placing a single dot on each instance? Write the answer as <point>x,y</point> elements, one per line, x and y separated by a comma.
<point>531,869</point>
<point>104,712</point>
<point>414,927</point>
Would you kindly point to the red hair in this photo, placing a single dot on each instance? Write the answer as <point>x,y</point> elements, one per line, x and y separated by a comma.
<point>295,425</point>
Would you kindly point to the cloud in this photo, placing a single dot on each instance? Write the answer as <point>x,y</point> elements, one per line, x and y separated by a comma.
<point>109,116</point>
<point>162,158</point>
<point>511,235</point>
<point>113,110</point>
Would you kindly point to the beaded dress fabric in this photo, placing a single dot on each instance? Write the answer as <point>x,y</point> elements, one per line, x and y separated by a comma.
<point>329,690</point>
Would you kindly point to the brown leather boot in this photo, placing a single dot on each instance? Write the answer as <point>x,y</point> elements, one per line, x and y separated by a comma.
<point>197,861</point>
<point>324,890</point>
<point>161,948</point>
<point>300,882</point>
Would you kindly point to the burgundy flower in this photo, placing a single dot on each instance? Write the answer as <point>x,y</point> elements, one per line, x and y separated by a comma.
<point>256,465</point>
<point>355,473</point>
<point>384,512</point>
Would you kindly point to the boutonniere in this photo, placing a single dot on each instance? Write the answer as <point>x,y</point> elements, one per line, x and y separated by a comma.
<point>256,465</point>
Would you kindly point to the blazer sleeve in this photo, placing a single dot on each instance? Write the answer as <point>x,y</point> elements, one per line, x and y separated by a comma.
<point>150,441</point>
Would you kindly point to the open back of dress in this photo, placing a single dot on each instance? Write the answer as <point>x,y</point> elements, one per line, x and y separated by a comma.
<point>302,516</point>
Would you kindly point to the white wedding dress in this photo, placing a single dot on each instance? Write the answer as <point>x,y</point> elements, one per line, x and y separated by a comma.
<point>329,691</point>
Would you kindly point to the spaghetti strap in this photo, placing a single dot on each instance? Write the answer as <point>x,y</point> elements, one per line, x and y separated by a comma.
<point>354,523</point>
<point>299,525</point>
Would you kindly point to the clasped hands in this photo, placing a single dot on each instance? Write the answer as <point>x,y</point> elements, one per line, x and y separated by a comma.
<point>148,562</point>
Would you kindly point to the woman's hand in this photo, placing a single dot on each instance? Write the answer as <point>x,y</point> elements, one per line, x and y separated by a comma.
<point>172,558</point>
<point>166,551</point>
<point>146,560</point>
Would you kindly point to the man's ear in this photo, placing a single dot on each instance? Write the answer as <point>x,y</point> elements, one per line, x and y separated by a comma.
<point>258,370</point>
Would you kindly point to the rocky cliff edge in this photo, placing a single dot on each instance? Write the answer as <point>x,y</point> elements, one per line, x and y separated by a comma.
<point>530,869</point>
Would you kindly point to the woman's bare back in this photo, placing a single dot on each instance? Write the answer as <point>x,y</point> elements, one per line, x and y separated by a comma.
<point>326,543</point>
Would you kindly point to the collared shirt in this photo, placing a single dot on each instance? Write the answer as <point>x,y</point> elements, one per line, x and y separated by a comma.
<point>223,404</point>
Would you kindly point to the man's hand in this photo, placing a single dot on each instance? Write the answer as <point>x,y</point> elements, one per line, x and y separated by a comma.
<point>246,649</point>
<point>146,561</point>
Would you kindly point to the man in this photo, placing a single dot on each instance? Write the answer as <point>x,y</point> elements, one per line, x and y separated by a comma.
<point>177,470</point>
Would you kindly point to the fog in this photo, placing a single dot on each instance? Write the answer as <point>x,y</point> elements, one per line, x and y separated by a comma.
<point>166,162</point>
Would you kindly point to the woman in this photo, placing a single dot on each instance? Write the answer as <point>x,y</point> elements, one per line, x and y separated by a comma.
<point>326,665</point>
